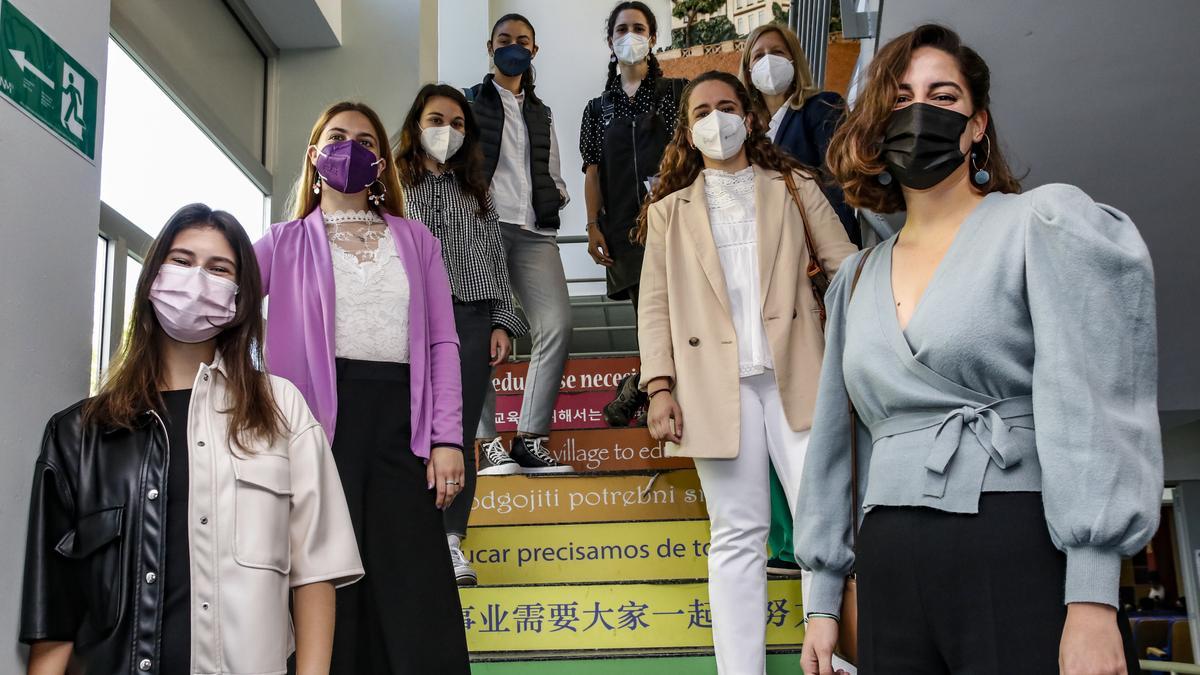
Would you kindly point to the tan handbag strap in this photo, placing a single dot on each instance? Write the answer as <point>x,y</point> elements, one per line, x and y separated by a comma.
<point>854,422</point>
<point>814,264</point>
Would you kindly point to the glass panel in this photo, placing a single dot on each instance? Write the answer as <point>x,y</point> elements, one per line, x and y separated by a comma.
<point>156,159</point>
<point>99,301</point>
<point>133,270</point>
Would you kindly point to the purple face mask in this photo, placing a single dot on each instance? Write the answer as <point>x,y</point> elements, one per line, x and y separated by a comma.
<point>347,166</point>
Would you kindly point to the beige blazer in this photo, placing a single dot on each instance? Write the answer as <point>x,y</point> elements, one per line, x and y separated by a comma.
<point>685,331</point>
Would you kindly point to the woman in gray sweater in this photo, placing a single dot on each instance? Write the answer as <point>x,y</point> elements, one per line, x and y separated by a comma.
<point>1000,354</point>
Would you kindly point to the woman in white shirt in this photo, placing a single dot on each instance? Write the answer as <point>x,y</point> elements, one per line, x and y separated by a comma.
<point>730,333</point>
<point>520,161</point>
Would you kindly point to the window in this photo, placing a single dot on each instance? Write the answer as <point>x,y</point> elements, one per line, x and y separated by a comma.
<point>156,159</point>
<point>742,25</point>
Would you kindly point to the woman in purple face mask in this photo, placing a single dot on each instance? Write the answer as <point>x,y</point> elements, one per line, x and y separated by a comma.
<point>362,323</point>
<point>192,493</point>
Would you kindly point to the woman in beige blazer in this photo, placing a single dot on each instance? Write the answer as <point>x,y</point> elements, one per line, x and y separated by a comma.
<point>730,334</point>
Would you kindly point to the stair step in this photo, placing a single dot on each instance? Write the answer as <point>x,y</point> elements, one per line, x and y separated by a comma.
<point>593,552</point>
<point>609,450</point>
<point>669,663</point>
<point>587,385</point>
<point>580,617</point>
<point>580,498</point>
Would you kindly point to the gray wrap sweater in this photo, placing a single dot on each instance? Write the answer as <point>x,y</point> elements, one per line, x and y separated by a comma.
<point>1029,365</point>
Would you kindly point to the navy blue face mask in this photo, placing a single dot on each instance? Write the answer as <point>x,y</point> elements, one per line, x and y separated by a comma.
<point>512,60</point>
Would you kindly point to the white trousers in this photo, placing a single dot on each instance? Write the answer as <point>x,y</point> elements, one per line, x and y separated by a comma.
<point>738,494</point>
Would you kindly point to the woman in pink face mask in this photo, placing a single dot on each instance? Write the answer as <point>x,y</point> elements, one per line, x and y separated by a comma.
<point>362,323</point>
<point>193,494</point>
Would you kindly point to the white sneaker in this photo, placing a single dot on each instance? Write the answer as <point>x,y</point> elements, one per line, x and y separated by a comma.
<point>494,461</point>
<point>463,573</point>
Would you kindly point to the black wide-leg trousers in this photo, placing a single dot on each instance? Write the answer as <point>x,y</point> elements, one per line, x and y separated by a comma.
<point>943,593</point>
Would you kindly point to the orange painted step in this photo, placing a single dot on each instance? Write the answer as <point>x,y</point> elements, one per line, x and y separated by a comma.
<point>556,499</point>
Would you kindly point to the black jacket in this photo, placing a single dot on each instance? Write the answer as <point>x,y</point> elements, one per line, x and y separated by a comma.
<point>805,134</point>
<point>489,113</point>
<point>96,524</point>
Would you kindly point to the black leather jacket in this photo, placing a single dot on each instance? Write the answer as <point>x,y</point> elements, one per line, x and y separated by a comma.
<point>95,544</point>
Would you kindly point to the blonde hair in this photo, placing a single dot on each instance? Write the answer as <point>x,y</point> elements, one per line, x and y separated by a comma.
<point>303,200</point>
<point>803,87</point>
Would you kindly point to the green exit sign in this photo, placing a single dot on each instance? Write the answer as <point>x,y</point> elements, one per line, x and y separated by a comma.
<point>40,78</point>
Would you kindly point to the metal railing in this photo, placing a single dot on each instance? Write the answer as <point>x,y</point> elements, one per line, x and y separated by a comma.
<point>1170,667</point>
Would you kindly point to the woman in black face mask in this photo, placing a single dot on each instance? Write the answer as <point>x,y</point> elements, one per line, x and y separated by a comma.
<point>1000,357</point>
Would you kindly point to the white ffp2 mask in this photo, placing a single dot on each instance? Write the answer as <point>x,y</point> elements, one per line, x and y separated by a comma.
<point>441,142</point>
<point>773,74</point>
<point>720,135</point>
<point>631,48</point>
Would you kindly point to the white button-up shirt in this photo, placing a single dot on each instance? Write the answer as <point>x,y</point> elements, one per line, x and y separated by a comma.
<point>512,184</point>
<point>259,524</point>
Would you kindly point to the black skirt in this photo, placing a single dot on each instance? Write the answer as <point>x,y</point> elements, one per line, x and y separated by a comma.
<point>947,593</point>
<point>404,617</point>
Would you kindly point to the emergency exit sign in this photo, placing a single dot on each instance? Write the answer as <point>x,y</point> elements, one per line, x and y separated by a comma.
<point>41,79</point>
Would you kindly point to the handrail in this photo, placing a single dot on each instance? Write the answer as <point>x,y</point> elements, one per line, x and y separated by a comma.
<point>1170,667</point>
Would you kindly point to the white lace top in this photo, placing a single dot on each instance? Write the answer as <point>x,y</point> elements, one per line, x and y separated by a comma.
<point>371,286</point>
<point>732,217</point>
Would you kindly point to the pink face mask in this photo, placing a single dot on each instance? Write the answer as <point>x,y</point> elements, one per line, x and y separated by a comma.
<point>192,305</point>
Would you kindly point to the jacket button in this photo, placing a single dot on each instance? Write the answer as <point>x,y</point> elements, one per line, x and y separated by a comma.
<point>152,495</point>
<point>145,664</point>
<point>794,314</point>
<point>201,444</point>
<point>695,342</point>
<point>151,577</point>
<point>206,378</point>
<point>203,520</point>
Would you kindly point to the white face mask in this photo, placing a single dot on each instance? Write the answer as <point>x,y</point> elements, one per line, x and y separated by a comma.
<point>441,142</point>
<point>631,48</point>
<point>720,135</point>
<point>773,74</point>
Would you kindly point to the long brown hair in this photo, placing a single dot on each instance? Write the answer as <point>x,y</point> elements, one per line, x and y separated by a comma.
<point>682,163</point>
<point>467,163</point>
<point>803,87</point>
<point>855,154</point>
<point>303,200</point>
<point>132,384</point>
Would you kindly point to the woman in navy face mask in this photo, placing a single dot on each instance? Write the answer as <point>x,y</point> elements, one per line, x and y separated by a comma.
<point>521,164</point>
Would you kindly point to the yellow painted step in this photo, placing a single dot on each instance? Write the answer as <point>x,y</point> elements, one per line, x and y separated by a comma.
<point>611,617</point>
<point>588,553</point>
<point>546,500</point>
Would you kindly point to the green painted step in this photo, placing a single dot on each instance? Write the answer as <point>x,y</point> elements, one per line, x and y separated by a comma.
<point>581,619</point>
<point>777,664</point>
<point>589,552</point>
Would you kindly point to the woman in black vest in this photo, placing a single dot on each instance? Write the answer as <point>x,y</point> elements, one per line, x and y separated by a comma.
<point>621,140</point>
<point>520,161</point>
<point>802,117</point>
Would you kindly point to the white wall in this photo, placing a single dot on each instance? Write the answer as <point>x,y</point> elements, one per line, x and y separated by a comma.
<point>571,66</point>
<point>378,63</point>
<point>51,211</point>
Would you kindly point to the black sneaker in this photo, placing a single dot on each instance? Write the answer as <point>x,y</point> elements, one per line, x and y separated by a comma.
<point>622,409</point>
<point>494,461</point>
<point>530,453</point>
<point>778,568</point>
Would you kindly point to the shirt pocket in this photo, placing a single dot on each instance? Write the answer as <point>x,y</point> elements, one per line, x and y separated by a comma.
<point>263,507</point>
<point>96,543</point>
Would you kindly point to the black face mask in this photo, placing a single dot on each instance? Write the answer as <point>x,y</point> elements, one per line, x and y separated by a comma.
<point>920,146</point>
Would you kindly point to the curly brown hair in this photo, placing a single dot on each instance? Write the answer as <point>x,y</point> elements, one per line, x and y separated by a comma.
<point>682,163</point>
<point>467,163</point>
<point>855,154</point>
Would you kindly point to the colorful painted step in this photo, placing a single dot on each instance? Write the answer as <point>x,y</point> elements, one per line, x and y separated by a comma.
<point>592,552</point>
<point>586,386</point>
<point>610,451</point>
<point>588,617</point>
<point>777,664</point>
<point>558,498</point>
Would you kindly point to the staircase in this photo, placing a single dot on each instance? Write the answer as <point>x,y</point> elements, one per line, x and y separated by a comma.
<point>602,571</point>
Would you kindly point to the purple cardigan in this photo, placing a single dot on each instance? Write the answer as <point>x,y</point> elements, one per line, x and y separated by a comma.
<point>297,273</point>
